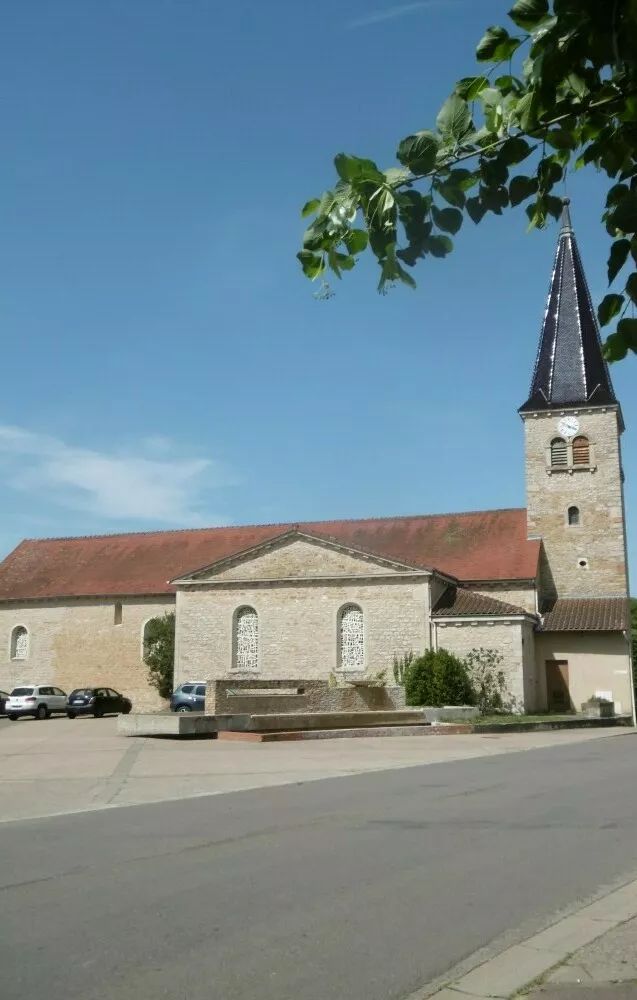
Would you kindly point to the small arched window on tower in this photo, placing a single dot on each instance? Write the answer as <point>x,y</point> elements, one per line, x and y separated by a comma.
<point>581,451</point>
<point>559,452</point>
<point>573,516</point>
<point>19,643</point>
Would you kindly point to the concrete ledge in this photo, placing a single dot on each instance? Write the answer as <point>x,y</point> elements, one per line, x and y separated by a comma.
<point>289,721</point>
<point>342,734</point>
<point>179,724</point>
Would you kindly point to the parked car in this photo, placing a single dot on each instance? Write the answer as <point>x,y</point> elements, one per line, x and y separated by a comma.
<point>96,702</point>
<point>3,698</point>
<point>190,697</point>
<point>38,700</point>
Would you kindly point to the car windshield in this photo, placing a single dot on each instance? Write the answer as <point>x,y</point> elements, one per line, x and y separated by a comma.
<point>21,692</point>
<point>186,688</point>
<point>81,692</point>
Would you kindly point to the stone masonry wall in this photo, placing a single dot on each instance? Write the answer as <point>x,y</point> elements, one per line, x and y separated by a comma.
<point>299,558</point>
<point>298,626</point>
<point>461,638</point>
<point>599,538</point>
<point>228,697</point>
<point>77,643</point>
<point>522,596</point>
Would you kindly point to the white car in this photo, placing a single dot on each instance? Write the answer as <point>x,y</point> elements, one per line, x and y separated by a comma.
<point>38,700</point>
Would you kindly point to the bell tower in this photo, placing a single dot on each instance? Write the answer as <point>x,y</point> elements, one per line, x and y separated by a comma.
<point>573,425</point>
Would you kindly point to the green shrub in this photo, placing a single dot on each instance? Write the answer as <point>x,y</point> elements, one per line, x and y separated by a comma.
<point>159,652</point>
<point>484,667</point>
<point>438,678</point>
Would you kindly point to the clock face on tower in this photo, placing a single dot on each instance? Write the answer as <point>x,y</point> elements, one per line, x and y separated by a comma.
<point>568,426</point>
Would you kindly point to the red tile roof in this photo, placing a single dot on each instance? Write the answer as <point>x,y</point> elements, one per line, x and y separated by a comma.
<point>598,614</point>
<point>483,545</point>
<point>456,602</point>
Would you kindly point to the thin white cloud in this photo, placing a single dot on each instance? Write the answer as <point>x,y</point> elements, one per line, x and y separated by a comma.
<point>389,13</point>
<point>148,483</point>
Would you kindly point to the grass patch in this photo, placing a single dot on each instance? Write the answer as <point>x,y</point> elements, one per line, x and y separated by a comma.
<point>514,720</point>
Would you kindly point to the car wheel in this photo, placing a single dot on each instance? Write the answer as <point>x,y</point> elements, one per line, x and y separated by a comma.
<point>70,715</point>
<point>183,708</point>
<point>98,713</point>
<point>126,709</point>
<point>14,718</point>
<point>41,712</point>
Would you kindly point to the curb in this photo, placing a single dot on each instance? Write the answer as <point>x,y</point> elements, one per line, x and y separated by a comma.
<point>521,965</point>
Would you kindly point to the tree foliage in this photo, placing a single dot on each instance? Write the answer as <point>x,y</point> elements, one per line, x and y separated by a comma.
<point>556,91</point>
<point>159,652</point>
<point>489,681</point>
<point>438,678</point>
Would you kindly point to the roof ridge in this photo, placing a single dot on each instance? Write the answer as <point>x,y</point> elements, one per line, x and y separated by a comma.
<point>272,524</point>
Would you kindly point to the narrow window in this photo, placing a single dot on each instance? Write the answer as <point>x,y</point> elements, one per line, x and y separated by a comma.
<point>559,452</point>
<point>351,639</point>
<point>246,640</point>
<point>581,451</point>
<point>117,614</point>
<point>19,643</point>
<point>573,516</point>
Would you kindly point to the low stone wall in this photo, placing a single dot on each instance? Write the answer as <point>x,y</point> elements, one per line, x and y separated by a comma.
<point>232,696</point>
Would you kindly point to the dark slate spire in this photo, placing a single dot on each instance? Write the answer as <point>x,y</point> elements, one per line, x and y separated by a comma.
<point>570,369</point>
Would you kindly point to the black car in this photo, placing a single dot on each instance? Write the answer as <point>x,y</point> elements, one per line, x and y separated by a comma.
<point>3,699</point>
<point>97,702</point>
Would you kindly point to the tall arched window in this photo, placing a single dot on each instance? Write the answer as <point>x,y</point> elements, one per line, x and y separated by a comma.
<point>246,640</point>
<point>581,451</point>
<point>573,516</point>
<point>19,643</point>
<point>350,638</point>
<point>559,452</point>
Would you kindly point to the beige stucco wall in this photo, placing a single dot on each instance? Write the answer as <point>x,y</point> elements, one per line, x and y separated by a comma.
<point>76,643</point>
<point>600,536</point>
<point>597,661</point>
<point>461,637</point>
<point>521,595</point>
<point>298,625</point>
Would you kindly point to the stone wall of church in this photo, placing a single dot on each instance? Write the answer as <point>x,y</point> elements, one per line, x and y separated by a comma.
<point>461,637</point>
<point>599,538</point>
<point>298,626</point>
<point>522,595</point>
<point>77,643</point>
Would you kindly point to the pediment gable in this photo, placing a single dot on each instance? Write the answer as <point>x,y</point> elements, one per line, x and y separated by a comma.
<point>298,555</point>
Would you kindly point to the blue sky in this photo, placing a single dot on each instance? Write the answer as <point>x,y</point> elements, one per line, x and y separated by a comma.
<point>166,365</point>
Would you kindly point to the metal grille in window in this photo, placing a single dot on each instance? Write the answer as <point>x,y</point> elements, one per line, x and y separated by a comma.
<point>19,643</point>
<point>559,452</point>
<point>351,638</point>
<point>247,640</point>
<point>581,451</point>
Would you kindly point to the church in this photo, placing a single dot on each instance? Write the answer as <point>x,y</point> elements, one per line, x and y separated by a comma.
<point>545,585</point>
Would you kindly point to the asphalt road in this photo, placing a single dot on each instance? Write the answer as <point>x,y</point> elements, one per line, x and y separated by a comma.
<point>358,888</point>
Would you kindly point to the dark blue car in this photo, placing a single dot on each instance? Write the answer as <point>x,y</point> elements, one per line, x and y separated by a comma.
<point>190,697</point>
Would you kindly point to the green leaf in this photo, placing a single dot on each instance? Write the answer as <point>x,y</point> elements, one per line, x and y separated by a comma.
<point>476,210</point>
<point>631,287</point>
<point>453,195</point>
<point>554,206</point>
<point>310,207</point>
<point>509,84</point>
<point>617,258</point>
<point>560,138</point>
<point>615,349</point>
<point>356,240</point>
<point>496,45</point>
<point>313,265</point>
<point>633,248</point>
<point>470,86</point>
<point>454,118</point>
<point>418,152</point>
<point>494,199</point>
<point>624,215</point>
<point>627,331</point>
<point>609,307</point>
<point>526,111</point>
<point>352,168</point>
<point>493,172</point>
<point>616,193</point>
<point>397,175</point>
<point>447,219</point>
<point>438,246</point>
<point>521,188</point>
<point>515,150</point>
<point>527,13</point>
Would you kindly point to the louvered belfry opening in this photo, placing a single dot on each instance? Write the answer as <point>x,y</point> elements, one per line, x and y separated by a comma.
<point>581,451</point>
<point>559,452</point>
